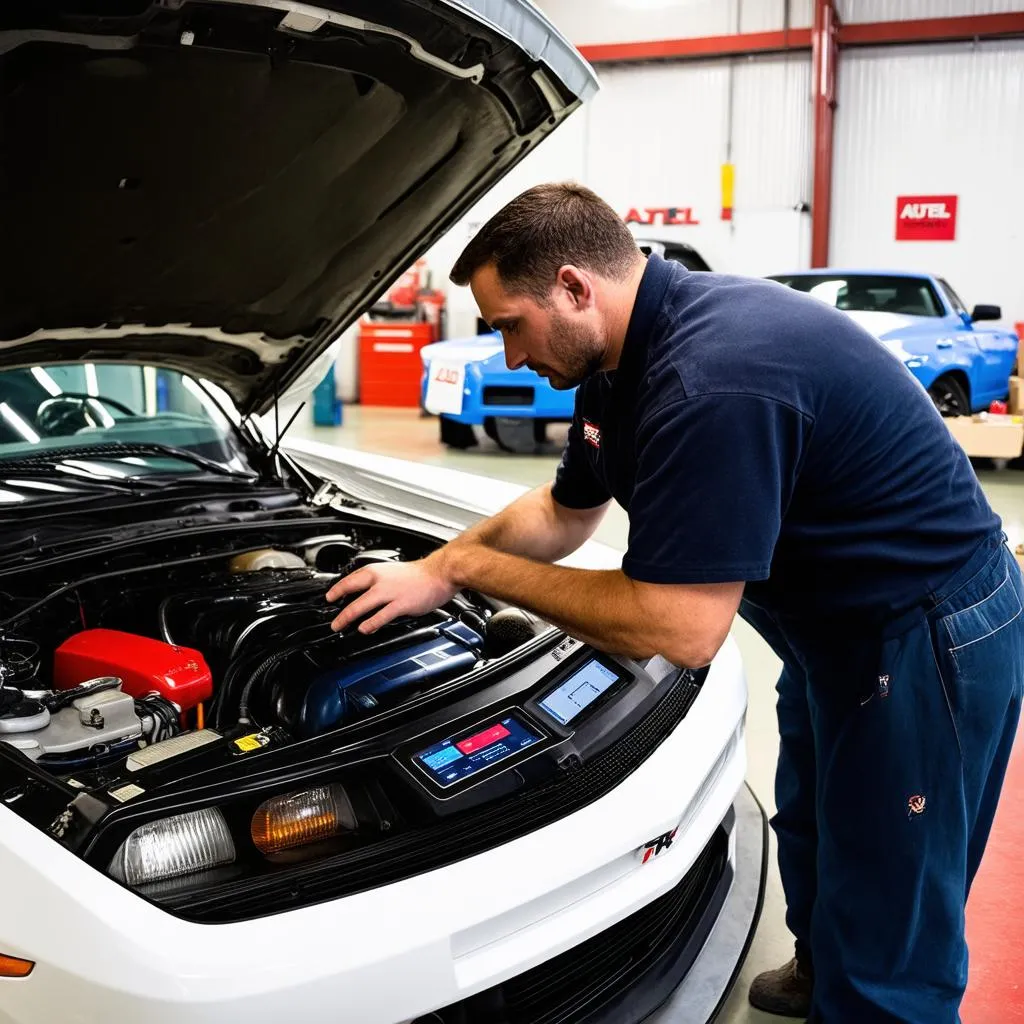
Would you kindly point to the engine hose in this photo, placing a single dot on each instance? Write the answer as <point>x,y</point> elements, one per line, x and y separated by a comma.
<point>268,663</point>
<point>222,698</point>
<point>101,757</point>
<point>161,715</point>
<point>206,601</point>
<point>473,619</point>
<point>426,632</point>
<point>19,662</point>
<point>265,666</point>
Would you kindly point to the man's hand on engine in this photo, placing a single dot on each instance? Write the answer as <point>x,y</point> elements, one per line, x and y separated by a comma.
<point>396,588</point>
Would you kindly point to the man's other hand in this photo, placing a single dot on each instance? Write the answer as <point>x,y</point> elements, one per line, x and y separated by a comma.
<point>396,588</point>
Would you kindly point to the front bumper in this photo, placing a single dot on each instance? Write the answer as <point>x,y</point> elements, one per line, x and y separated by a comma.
<point>483,382</point>
<point>672,962</point>
<point>392,954</point>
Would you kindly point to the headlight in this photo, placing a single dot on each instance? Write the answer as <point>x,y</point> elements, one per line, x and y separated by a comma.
<point>296,819</point>
<point>174,847</point>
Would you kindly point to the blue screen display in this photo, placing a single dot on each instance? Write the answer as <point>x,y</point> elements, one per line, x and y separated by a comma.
<point>453,760</point>
<point>581,689</point>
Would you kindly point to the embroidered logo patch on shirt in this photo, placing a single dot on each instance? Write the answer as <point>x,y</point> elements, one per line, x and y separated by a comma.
<point>592,433</point>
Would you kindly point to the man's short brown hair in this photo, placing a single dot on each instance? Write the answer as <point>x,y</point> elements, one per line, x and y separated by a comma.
<point>542,230</point>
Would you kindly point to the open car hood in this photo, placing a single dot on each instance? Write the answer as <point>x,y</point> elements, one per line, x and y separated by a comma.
<point>222,186</point>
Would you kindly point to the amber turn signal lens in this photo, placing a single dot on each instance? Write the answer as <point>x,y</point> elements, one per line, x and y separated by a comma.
<point>298,819</point>
<point>15,967</point>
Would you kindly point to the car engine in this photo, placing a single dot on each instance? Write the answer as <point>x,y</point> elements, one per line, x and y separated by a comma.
<point>241,643</point>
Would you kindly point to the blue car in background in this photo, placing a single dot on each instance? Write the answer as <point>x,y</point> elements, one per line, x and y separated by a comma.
<point>467,384</point>
<point>922,321</point>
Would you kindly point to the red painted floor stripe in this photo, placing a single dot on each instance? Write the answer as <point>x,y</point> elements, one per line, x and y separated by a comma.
<point>995,912</point>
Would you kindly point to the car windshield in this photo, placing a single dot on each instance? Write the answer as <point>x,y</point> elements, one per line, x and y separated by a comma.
<point>60,408</point>
<point>881,293</point>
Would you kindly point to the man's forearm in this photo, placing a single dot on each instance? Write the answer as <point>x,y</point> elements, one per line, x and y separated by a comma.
<point>532,527</point>
<point>685,623</point>
<point>601,607</point>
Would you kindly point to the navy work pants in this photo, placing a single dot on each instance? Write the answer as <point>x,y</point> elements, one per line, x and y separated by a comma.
<point>894,744</point>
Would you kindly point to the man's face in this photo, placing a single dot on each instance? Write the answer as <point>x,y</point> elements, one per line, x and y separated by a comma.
<point>560,339</point>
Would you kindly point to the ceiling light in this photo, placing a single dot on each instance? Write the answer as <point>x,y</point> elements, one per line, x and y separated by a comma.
<point>18,423</point>
<point>106,420</point>
<point>48,383</point>
<point>149,386</point>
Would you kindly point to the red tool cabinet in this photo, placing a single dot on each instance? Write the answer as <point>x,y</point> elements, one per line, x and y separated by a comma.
<point>390,367</point>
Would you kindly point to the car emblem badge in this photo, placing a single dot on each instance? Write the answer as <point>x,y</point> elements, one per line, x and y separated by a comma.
<point>656,846</point>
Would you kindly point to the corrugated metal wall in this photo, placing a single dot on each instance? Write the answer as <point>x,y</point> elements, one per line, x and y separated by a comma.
<point>561,157</point>
<point>934,120</point>
<point>772,154</point>
<point>670,124</point>
<point>656,135</point>
<point>908,10</point>
<point>622,21</point>
<point>770,15</point>
<point>939,119</point>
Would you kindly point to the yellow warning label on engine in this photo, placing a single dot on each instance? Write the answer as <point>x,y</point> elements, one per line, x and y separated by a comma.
<point>250,742</point>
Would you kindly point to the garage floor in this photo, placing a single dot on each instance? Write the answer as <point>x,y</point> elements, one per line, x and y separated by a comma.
<point>995,993</point>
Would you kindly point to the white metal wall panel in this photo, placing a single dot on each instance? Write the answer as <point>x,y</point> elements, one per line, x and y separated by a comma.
<point>561,157</point>
<point>656,136</point>
<point>910,10</point>
<point>772,128</point>
<point>772,139</point>
<point>624,21</point>
<point>934,121</point>
<point>621,21</point>
<point>770,15</point>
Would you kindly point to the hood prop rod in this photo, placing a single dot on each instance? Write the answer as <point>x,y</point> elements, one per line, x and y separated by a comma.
<point>280,434</point>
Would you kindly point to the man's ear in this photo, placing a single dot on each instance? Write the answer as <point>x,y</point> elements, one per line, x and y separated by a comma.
<point>577,283</point>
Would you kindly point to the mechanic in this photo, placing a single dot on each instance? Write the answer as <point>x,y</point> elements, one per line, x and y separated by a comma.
<point>775,460</point>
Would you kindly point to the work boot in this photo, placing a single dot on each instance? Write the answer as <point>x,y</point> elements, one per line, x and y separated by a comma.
<point>786,991</point>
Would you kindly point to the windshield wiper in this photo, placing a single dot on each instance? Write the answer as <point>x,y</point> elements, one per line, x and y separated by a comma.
<point>52,457</point>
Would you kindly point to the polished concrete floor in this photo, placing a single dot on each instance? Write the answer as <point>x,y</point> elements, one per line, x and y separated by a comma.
<point>403,433</point>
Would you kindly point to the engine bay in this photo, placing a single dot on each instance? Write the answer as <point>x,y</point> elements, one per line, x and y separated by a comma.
<point>176,710</point>
<point>100,668</point>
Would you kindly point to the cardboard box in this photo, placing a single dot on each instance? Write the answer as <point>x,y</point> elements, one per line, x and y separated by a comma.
<point>1016,396</point>
<point>992,437</point>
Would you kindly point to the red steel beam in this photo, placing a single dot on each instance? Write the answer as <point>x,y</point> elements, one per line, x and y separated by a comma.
<point>869,33</point>
<point>699,46</point>
<point>933,30</point>
<point>824,57</point>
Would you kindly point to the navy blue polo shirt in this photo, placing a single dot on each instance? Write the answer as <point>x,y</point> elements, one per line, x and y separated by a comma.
<point>754,433</point>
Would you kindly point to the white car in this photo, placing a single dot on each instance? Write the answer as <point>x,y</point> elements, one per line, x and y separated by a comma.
<point>211,806</point>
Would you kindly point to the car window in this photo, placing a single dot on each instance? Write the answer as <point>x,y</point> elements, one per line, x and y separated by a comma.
<point>883,293</point>
<point>689,258</point>
<point>954,299</point>
<point>684,254</point>
<point>85,404</point>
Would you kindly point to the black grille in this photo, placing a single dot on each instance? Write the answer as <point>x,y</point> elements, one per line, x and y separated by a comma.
<point>420,850</point>
<point>593,980</point>
<point>503,394</point>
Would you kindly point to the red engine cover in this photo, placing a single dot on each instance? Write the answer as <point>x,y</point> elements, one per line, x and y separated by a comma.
<point>179,674</point>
